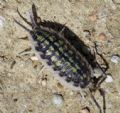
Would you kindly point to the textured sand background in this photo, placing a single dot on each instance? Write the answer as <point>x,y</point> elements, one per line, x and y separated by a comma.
<point>23,87</point>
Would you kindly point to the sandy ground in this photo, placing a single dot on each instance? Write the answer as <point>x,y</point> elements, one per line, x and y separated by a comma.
<point>24,88</point>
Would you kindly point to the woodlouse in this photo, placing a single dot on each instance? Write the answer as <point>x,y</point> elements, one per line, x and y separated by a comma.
<point>70,67</point>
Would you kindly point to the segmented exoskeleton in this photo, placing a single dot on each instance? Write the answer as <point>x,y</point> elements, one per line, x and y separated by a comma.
<point>70,67</point>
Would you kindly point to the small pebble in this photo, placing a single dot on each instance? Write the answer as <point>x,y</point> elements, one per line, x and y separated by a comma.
<point>60,86</point>
<point>34,58</point>
<point>109,79</point>
<point>44,82</point>
<point>87,33</point>
<point>2,21</point>
<point>102,37</point>
<point>93,17</point>
<point>97,72</point>
<point>58,100</point>
<point>85,110</point>
<point>71,93</point>
<point>115,59</point>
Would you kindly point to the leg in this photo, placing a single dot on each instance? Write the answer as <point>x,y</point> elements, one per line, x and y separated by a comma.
<point>98,81</point>
<point>104,102</point>
<point>96,103</point>
<point>103,76</point>
<point>102,93</point>
<point>106,64</point>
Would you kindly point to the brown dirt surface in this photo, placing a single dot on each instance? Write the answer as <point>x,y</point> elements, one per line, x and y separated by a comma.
<point>22,89</point>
